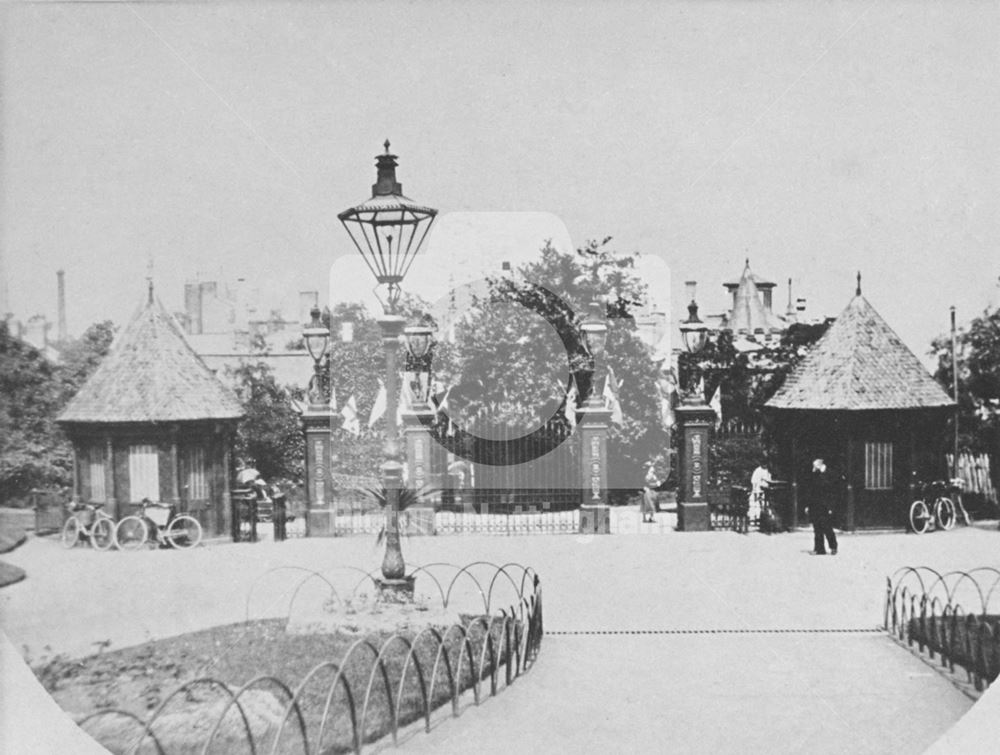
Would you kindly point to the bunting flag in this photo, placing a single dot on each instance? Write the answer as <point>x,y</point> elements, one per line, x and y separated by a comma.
<point>716,404</point>
<point>378,408</point>
<point>572,395</point>
<point>350,415</point>
<point>611,386</point>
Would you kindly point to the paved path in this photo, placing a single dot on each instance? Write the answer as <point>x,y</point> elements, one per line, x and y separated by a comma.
<point>744,691</point>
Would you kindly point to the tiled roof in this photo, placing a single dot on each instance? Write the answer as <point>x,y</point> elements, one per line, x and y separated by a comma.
<point>860,363</point>
<point>151,374</point>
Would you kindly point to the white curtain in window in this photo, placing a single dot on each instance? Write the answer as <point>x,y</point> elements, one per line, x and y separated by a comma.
<point>144,473</point>
<point>878,466</point>
<point>95,464</point>
<point>197,480</point>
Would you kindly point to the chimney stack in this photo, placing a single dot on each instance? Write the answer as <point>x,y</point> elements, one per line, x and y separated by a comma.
<point>307,300</point>
<point>61,277</point>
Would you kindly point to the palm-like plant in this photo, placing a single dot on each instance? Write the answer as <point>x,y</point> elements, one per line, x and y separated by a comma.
<point>408,498</point>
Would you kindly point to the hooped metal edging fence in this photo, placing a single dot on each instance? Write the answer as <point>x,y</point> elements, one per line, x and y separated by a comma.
<point>501,631</point>
<point>950,615</point>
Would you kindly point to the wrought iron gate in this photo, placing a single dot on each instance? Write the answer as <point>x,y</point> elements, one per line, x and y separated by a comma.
<point>509,472</point>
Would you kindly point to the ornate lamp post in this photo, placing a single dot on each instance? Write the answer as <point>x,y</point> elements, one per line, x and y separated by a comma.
<point>594,330</point>
<point>694,420</point>
<point>593,420</point>
<point>317,419</point>
<point>317,338</point>
<point>388,231</point>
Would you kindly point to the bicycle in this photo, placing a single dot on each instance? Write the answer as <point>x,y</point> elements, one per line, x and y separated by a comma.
<point>92,522</point>
<point>940,514</point>
<point>158,523</point>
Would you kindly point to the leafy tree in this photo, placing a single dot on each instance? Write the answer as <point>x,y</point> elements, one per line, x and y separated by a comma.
<point>268,438</point>
<point>520,342</point>
<point>746,381</point>
<point>33,451</point>
<point>978,356</point>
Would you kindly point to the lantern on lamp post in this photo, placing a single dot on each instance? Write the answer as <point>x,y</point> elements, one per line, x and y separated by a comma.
<point>594,333</point>
<point>317,338</point>
<point>695,420</point>
<point>388,230</point>
<point>419,339</point>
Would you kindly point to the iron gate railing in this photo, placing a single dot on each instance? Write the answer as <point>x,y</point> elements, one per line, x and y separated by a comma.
<point>507,473</point>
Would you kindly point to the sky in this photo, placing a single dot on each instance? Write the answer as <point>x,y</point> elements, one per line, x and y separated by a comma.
<point>222,139</point>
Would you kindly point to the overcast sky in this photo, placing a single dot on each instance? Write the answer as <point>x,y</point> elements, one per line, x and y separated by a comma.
<point>816,140</point>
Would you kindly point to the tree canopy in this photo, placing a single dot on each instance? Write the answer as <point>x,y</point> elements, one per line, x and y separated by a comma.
<point>519,346</point>
<point>33,391</point>
<point>978,357</point>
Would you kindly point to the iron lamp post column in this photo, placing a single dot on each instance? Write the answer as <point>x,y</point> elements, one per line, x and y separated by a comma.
<point>388,231</point>
<point>394,581</point>
<point>593,421</point>
<point>418,416</point>
<point>317,427</point>
<point>694,421</point>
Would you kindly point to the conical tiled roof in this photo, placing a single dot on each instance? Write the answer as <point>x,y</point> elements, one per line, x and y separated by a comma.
<point>860,363</point>
<point>151,374</point>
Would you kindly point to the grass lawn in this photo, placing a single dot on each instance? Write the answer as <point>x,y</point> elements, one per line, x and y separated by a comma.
<point>139,679</point>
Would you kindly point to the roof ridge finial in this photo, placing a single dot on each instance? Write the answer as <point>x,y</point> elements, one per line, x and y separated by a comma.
<point>149,281</point>
<point>857,291</point>
<point>386,145</point>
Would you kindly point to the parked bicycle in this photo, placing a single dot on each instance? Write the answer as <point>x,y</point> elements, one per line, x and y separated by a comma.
<point>934,509</point>
<point>88,521</point>
<point>157,523</point>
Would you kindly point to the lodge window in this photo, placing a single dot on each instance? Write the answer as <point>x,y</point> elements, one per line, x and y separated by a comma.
<point>144,473</point>
<point>95,469</point>
<point>878,466</point>
<point>197,479</point>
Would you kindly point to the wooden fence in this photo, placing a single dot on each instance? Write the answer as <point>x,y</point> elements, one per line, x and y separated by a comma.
<point>974,470</point>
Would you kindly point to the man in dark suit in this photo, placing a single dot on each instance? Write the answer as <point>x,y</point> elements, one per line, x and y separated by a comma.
<point>821,510</point>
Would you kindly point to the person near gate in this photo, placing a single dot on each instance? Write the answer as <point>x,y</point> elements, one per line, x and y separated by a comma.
<point>820,510</point>
<point>647,503</point>
<point>760,481</point>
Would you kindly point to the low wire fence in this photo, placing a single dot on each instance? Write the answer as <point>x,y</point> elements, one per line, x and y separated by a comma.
<point>953,616</point>
<point>471,631</point>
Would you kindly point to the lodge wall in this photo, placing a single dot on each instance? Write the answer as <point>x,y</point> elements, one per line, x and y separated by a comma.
<point>186,464</point>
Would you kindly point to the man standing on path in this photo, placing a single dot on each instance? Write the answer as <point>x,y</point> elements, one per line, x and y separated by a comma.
<point>821,510</point>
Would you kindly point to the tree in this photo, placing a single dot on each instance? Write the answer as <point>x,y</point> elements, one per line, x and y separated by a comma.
<point>978,357</point>
<point>33,391</point>
<point>520,343</point>
<point>268,437</point>
<point>746,380</point>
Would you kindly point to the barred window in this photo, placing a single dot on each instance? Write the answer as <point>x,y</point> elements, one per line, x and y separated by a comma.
<point>197,479</point>
<point>95,464</point>
<point>878,466</point>
<point>144,473</point>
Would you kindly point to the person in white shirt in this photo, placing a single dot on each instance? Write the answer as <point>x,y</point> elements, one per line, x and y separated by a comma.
<point>760,481</point>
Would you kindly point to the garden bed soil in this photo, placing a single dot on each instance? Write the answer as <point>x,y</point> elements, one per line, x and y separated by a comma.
<point>138,679</point>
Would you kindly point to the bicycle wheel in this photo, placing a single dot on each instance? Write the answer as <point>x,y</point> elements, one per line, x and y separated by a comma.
<point>131,533</point>
<point>944,510</point>
<point>184,532</point>
<point>102,536</point>
<point>920,517</point>
<point>70,532</point>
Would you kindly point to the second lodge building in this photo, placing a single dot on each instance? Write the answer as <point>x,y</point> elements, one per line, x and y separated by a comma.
<point>862,401</point>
